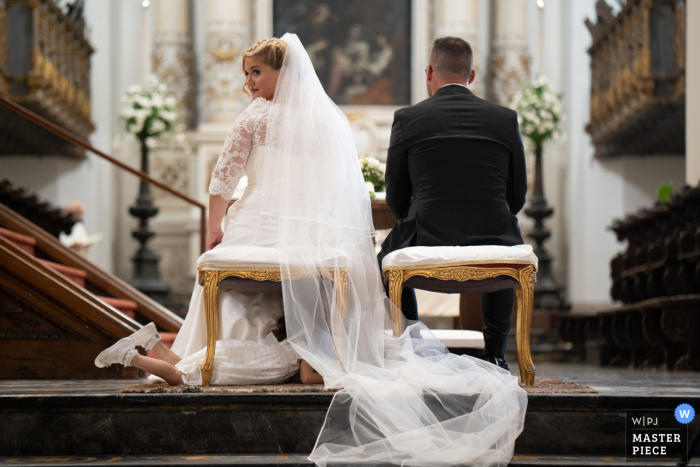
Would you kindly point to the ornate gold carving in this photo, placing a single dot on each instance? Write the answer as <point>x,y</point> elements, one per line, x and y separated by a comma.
<point>209,277</point>
<point>623,87</point>
<point>524,298</point>
<point>460,263</point>
<point>396,280</point>
<point>223,78</point>
<point>59,81</point>
<point>506,76</point>
<point>341,281</point>
<point>509,60</point>
<point>173,62</point>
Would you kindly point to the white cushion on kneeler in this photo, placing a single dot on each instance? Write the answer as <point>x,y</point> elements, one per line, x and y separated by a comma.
<point>434,255</point>
<point>457,338</point>
<point>266,257</point>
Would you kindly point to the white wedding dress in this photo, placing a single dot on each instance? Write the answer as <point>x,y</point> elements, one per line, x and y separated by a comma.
<point>246,352</point>
<point>405,400</point>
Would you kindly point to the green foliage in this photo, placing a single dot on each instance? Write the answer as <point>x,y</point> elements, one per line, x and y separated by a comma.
<point>665,192</point>
<point>374,172</point>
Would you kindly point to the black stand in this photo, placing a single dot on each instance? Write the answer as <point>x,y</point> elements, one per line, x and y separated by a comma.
<point>146,274</point>
<point>547,292</point>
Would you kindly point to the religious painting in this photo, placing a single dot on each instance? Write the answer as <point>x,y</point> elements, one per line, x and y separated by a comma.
<point>361,50</point>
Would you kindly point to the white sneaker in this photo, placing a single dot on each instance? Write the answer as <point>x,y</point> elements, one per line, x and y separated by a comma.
<point>145,337</point>
<point>121,353</point>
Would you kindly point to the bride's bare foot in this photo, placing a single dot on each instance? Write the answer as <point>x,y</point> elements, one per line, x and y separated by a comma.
<point>309,375</point>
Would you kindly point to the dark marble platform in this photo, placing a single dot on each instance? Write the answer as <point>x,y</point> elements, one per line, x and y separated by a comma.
<point>267,460</point>
<point>621,381</point>
<point>91,418</point>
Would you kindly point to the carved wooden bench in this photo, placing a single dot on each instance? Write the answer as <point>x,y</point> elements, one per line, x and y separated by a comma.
<point>256,269</point>
<point>468,269</point>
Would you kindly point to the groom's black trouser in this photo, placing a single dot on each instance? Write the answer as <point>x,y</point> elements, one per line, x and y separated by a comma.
<point>497,311</point>
<point>409,305</point>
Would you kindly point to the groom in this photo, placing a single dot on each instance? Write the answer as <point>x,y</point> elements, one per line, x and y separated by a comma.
<point>456,177</point>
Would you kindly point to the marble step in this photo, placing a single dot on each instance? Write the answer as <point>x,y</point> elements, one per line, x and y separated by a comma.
<point>28,244</point>
<point>42,422</point>
<point>78,276</point>
<point>128,307</point>
<point>22,241</point>
<point>295,460</point>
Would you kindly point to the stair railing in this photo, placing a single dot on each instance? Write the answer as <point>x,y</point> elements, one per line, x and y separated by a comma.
<point>71,138</point>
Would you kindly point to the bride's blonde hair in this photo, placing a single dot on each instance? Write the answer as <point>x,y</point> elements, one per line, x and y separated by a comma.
<point>270,51</point>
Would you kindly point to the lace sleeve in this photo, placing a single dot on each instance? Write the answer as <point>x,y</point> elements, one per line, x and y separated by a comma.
<point>231,164</point>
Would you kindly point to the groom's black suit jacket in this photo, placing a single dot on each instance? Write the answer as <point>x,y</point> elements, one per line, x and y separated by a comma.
<point>455,173</point>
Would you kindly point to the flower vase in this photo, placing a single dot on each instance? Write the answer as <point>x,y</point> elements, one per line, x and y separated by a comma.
<point>547,291</point>
<point>146,273</point>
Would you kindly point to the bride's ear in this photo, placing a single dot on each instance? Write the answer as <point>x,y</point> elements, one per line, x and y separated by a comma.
<point>282,72</point>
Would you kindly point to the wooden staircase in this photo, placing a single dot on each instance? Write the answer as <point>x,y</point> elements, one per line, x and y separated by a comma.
<point>58,310</point>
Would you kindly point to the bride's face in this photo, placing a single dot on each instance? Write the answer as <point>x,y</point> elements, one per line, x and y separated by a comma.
<point>261,79</point>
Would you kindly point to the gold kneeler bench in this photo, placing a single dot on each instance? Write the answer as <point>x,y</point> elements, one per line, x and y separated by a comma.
<point>432,268</point>
<point>260,279</point>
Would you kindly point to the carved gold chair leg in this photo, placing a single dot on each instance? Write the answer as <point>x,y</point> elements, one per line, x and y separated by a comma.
<point>524,296</point>
<point>395,289</point>
<point>338,322</point>
<point>341,290</point>
<point>210,279</point>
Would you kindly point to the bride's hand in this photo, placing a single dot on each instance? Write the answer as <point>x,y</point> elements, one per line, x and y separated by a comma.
<point>214,238</point>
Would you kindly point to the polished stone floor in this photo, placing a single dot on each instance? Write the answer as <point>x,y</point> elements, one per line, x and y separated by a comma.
<point>620,381</point>
<point>607,381</point>
<point>38,387</point>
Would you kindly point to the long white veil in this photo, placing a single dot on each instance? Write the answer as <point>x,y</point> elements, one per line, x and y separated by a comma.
<point>406,400</point>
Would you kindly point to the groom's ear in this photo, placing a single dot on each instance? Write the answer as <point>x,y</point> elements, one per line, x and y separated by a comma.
<point>472,75</point>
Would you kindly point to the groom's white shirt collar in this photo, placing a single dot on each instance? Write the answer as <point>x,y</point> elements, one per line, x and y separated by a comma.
<point>452,84</point>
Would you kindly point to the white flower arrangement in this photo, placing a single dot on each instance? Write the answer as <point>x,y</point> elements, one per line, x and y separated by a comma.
<point>370,188</point>
<point>374,173</point>
<point>149,112</point>
<point>540,112</point>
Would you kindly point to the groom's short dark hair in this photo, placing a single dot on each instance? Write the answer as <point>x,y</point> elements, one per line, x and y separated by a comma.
<point>452,56</point>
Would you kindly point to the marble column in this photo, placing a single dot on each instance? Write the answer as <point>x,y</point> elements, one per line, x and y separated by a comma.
<point>146,40</point>
<point>173,62</point>
<point>228,32</point>
<point>509,60</point>
<point>173,53</point>
<point>460,18</point>
<point>263,19</point>
<point>420,44</point>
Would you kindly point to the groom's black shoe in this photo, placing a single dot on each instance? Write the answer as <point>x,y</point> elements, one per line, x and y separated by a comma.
<point>499,362</point>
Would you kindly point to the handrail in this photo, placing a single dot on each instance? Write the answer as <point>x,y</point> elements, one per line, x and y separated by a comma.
<point>71,138</point>
<point>100,280</point>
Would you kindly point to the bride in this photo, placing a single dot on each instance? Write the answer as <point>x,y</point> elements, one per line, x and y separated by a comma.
<point>247,351</point>
<point>405,400</point>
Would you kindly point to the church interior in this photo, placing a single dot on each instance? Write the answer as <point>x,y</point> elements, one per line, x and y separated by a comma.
<point>101,227</point>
